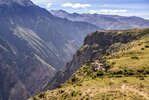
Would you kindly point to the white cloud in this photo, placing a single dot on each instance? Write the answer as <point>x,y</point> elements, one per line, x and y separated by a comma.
<point>49,5</point>
<point>76,5</point>
<point>93,11</point>
<point>109,11</point>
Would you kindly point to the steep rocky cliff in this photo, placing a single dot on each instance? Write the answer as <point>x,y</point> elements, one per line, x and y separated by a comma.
<point>33,46</point>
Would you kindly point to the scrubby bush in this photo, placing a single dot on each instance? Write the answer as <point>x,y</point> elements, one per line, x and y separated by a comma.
<point>74,79</point>
<point>61,91</point>
<point>110,83</point>
<point>141,78</point>
<point>34,98</point>
<point>146,46</point>
<point>94,75</point>
<point>141,70</point>
<point>87,70</point>
<point>60,86</point>
<point>125,81</point>
<point>75,93</point>
<point>141,85</point>
<point>65,95</point>
<point>42,95</point>
<point>142,48</point>
<point>128,72</point>
<point>120,75</point>
<point>113,63</point>
<point>134,57</point>
<point>99,73</point>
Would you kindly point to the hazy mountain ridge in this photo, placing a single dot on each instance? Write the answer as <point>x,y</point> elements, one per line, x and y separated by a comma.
<point>108,22</point>
<point>33,46</point>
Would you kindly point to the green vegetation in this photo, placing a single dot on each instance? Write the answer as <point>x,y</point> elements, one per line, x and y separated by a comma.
<point>127,77</point>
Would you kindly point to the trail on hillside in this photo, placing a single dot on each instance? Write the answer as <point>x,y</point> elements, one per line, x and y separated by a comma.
<point>125,88</point>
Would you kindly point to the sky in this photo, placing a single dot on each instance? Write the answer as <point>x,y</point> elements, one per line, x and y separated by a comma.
<point>138,8</point>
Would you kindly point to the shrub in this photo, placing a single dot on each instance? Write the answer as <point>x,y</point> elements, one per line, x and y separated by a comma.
<point>42,95</point>
<point>134,57</point>
<point>87,69</point>
<point>113,63</point>
<point>99,73</point>
<point>141,85</point>
<point>125,81</point>
<point>128,72</point>
<point>75,93</point>
<point>146,46</point>
<point>88,63</point>
<point>141,70</point>
<point>118,75</point>
<point>65,95</point>
<point>34,98</point>
<point>60,86</point>
<point>118,72</point>
<point>79,84</point>
<point>61,91</point>
<point>142,49</point>
<point>74,79</point>
<point>110,83</point>
<point>141,78</point>
<point>94,76</point>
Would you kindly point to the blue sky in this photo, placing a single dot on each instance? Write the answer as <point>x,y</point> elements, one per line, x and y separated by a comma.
<point>113,7</point>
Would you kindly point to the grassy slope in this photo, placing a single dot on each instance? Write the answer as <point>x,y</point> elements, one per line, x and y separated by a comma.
<point>127,78</point>
<point>133,55</point>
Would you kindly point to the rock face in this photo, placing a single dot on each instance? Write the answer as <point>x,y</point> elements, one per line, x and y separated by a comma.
<point>21,2</point>
<point>95,45</point>
<point>33,46</point>
<point>108,22</point>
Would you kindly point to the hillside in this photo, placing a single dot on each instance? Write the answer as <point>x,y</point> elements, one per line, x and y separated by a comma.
<point>110,65</point>
<point>108,22</point>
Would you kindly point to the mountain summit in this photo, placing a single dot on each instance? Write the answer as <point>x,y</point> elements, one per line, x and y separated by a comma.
<point>20,2</point>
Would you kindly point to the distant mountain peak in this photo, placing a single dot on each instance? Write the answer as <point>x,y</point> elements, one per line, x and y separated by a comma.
<point>59,11</point>
<point>20,2</point>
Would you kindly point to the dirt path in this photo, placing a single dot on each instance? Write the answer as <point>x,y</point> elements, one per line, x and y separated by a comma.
<point>128,88</point>
<point>124,89</point>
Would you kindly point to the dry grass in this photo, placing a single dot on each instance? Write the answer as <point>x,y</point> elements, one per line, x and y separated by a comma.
<point>126,88</point>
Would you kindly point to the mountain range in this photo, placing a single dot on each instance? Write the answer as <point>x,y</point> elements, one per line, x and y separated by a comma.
<point>107,22</point>
<point>39,49</point>
<point>34,45</point>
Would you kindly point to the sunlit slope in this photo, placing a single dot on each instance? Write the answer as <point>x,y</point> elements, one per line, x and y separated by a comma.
<point>121,73</point>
